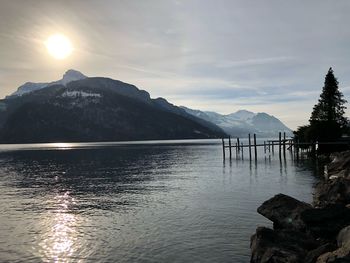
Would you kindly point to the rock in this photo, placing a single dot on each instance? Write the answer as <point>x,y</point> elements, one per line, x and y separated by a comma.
<point>290,246</point>
<point>340,255</point>
<point>284,211</point>
<point>326,222</point>
<point>313,255</point>
<point>335,191</point>
<point>340,164</point>
<point>344,236</point>
<point>307,234</point>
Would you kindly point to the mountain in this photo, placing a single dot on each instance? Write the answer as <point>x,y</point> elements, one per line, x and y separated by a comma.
<point>69,76</point>
<point>80,108</point>
<point>243,122</point>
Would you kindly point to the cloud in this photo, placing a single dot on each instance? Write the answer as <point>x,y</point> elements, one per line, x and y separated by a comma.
<point>219,55</point>
<point>253,62</point>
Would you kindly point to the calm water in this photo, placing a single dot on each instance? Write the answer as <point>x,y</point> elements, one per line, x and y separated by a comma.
<point>137,202</point>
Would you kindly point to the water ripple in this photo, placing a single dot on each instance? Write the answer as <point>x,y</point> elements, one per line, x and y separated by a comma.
<point>168,202</point>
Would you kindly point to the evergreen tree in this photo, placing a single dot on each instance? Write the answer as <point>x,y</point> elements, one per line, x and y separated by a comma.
<point>327,121</point>
<point>330,107</point>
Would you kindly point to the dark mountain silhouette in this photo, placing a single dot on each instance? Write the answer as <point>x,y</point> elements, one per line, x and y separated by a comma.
<point>69,76</point>
<point>95,109</point>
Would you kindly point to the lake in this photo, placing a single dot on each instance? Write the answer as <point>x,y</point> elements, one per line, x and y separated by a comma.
<point>156,201</point>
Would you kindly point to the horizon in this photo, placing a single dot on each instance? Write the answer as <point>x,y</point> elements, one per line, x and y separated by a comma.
<point>247,57</point>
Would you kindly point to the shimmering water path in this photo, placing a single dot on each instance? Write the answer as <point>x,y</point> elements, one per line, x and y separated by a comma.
<point>174,201</point>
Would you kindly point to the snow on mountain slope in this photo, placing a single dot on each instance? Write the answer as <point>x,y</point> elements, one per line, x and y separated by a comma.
<point>74,94</point>
<point>243,122</point>
<point>242,115</point>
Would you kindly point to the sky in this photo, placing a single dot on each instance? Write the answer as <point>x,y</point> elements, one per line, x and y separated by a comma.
<point>224,55</point>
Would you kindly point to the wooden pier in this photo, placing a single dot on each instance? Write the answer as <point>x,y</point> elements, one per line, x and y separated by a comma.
<point>283,143</point>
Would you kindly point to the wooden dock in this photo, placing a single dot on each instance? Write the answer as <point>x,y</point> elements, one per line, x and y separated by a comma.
<point>282,145</point>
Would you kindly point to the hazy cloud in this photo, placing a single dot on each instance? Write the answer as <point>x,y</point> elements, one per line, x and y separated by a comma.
<point>220,55</point>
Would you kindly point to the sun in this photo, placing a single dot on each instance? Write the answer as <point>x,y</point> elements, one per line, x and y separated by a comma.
<point>59,46</point>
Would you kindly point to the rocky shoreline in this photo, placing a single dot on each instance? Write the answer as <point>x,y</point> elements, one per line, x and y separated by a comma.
<point>302,232</point>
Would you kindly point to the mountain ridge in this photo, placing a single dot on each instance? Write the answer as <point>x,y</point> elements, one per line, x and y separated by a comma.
<point>242,122</point>
<point>96,109</point>
<point>76,91</point>
<point>69,76</point>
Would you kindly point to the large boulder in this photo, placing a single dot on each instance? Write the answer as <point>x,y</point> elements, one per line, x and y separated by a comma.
<point>342,254</point>
<point>314,254</point>
<point>344,236</point>
<point>283,246</point>
<point>326,222</point>
<point>335,191</point>
<point>284,211</point>
<point>340,165</point>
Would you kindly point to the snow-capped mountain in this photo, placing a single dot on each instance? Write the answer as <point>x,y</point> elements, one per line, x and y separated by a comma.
<point>242,115</point>
<point>69,76</point>
<point>242,122</point>
<point>79,108</point>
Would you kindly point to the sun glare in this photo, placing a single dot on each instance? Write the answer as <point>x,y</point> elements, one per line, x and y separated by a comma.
<point>59,46</point>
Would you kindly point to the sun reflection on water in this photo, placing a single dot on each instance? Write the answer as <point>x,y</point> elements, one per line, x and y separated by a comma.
<point>62,145</point>
<point>61,243</point>
<point>60,240</point>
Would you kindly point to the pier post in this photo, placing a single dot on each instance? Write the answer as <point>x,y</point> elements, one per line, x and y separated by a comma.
<point>265,147</point>
<point>284,143</point>
<point>255,150</point>
<point>273,147</point>
<point>291,145</point>
<point>296,148</point>
<point>223,147</point>
<point>279,143</point>
<point>250,149</point>
<point>238,144</point>
<point>229,146</point>
<point>242,149</point>
<point>313,148</point>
